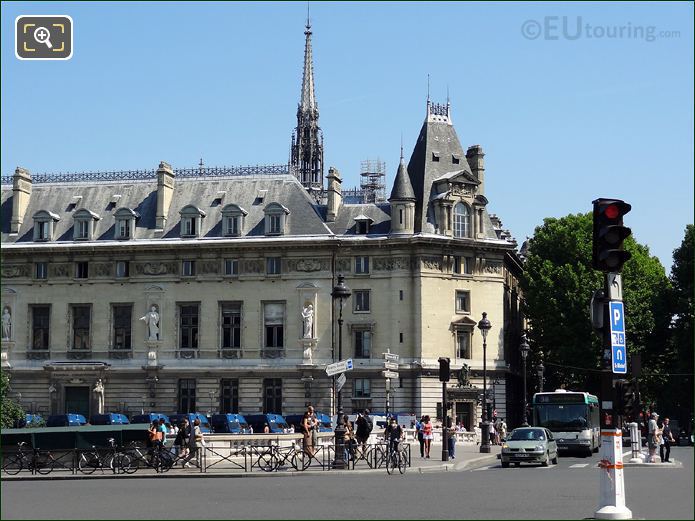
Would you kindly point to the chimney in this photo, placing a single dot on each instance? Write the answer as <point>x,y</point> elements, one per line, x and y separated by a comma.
<point>21,191</point>
<point>165,191</point>
<point>475,156</point>
<point>335,195</point>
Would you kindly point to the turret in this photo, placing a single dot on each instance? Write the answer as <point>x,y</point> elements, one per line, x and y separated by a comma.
<point>402,202</point>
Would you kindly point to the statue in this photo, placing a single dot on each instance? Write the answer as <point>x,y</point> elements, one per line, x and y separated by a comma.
<point>6,324</point>
<point>307,355</point>
<point>152,321</point>
<point>308,316</point>
<point>99,391</point>
<point>463,376</point>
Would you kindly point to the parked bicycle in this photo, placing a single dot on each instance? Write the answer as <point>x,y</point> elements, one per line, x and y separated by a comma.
<point>33,460</point>
<point>111,459</point>
<point>158,458</point>
<point>273,458</point>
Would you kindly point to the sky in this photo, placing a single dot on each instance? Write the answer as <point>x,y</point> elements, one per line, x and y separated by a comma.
<point>570,101</point>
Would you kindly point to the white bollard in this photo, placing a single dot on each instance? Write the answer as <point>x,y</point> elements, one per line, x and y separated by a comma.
<point>636,443</point>
<point>612,485</point>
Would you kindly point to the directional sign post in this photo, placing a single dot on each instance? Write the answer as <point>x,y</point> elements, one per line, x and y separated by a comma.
<point>389,374</point>
<point>339,367</point>
<point>340,381</point>
<point>391,365</point>
<point>618,346</point>
<point>391,357</point>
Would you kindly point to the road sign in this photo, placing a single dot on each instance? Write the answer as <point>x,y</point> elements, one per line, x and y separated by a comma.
<point>389,374</point>
<point>618,346</point>
<point>340,381</point>
<point>339,367</point>
<point>391,357</point>
<point>391,365</point>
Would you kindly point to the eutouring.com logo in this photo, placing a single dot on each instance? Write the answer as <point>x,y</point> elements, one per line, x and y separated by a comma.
<point>575,28</point>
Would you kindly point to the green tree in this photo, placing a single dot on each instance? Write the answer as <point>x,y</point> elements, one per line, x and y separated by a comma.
<point>681,366</point>
<point>558,284</point>
<point>9,410</point>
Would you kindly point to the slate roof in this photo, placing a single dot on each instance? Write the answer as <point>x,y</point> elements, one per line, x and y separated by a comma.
<point>141,196</point>
<point>402,187</point>
<point>345,223</point>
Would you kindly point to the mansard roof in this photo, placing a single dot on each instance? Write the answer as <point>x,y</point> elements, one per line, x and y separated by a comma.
<point>349,214</point>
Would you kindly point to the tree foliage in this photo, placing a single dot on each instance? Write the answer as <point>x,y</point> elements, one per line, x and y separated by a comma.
<point>10,411</point>
<point>558,285</point>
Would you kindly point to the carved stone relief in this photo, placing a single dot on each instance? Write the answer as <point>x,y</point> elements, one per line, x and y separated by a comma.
<point>59,270</point>
<point>432,263</point>
<point>252,266</point>
<point>15,270</point>
<point>391,263</point>
<point>492,267</point>
<point>209,267</point>
<point>308,265</point>
<point>102,269</point>
<point>157,268</point>
<point>343,265</point>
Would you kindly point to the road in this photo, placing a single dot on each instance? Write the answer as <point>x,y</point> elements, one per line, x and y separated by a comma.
<point>566,491</point>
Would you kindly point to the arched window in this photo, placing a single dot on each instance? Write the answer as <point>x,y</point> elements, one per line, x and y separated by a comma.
<point>462,220</point>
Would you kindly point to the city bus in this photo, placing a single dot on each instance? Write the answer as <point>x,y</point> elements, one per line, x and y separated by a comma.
<point>572,417</point>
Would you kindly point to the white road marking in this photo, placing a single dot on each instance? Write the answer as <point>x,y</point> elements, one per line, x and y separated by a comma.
<point>579,465</point>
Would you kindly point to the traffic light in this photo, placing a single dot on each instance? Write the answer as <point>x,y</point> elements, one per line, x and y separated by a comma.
<point>626,398</point>
<point>444,369</point>
<point>609,234</point>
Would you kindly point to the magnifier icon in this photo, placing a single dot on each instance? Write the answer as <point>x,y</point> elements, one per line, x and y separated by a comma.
<point>43,35</point>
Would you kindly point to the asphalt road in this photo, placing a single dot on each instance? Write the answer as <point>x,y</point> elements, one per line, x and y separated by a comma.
<point>566,491</point>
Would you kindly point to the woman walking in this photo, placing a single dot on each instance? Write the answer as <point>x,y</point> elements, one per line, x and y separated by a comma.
<point>427,435</point>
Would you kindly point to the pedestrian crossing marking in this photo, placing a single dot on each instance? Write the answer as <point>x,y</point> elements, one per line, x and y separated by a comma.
<point>579,465</point>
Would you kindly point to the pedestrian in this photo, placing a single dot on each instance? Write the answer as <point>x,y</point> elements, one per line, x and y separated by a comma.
<point>195,445</point>
<point>314,427</point>
<point>305,429</point>
<point>181,440</point>
<point>493,433</point>
<point>420,439</point>
<point>163,429</point>
<point>155,439</point>
<point>266,429</point>
<point>667,439</point>
<point>503,430</point>
<point>451,439</point>
<point>427,434</point>
<point>364,428</point>
<point>348,439</point>
<point>652,437</point>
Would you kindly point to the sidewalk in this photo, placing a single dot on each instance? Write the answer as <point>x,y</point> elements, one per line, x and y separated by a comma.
<point>467,456</point>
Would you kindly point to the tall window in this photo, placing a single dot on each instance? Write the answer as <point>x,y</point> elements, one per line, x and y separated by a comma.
<point>125,223</point>
<point>40,323</point>
<point>362,265</point>
<point>468,265</point>
<point>188,268</point>
<point>463,344</point>
<point>81,321</point>
<point>43,225</point>
<point>186,395</point>
<point>82,230</point>
<point>463,301</point>
<point>273,265</point>
<point>275,219</point>
<point>81,270</point>
<point>123,229</point>
<point>272,395</point>
<point>41,270</point>
<point>122,324</point>
<point>233,220</point>
<point>188,326</point>
<point>122,269</point>
<point>462,220</point>
<point>274,224</point>
<point>231,325</point>
<point>42,230</point>
<point>229,395</point>
<point>231,267</point>
<point>457,265</point>
<point>362,388</point>
<point>360,299</point>
<point>363,344</point>
<point>274,325</point>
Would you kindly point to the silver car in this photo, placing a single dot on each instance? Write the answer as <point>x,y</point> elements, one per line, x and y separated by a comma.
<point>529,445</point>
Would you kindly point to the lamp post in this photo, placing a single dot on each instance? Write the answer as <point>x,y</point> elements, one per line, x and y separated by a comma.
<point>524,348</point>
<point>484,326</point>
<point>340,293</point>
<point>540,369</point>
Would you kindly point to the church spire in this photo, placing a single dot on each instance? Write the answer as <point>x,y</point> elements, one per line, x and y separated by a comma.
<point>306,157</point>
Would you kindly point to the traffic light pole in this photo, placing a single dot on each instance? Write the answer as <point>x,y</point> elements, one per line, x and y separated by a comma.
<point>612,484</point>
<point>445,430</point>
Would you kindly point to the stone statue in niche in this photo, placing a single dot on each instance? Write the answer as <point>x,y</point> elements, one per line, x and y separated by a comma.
<point>99,392</point>
<point>152,321</point>
<point>308,319</point>
<point>308,359</point>
<point>6,323</point>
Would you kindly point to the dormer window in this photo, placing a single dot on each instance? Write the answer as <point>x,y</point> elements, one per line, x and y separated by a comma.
<point>43,225</point>
<point>125,223</point>
<point>462,220</point>
<point>275,219</point>
<point>233,220</point>
<point>191,220</point>
<point>83,229</point>
<point>362,224</point>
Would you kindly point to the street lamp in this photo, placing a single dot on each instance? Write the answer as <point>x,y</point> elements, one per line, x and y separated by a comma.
<point>524,347</point>
<point>540,369</point>
<point>484,326</point>
<point>340,293</point>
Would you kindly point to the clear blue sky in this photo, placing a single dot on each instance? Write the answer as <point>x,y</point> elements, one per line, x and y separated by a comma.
<point>562,121</point>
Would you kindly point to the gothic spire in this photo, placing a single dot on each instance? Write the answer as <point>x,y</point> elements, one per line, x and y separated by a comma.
<point>306,157</point>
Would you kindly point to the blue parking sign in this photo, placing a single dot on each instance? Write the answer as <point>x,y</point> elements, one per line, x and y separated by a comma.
<point>618,345</point>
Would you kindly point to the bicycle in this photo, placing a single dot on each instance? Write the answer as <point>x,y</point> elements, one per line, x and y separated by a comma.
<point>396,458</point>
<point>273,457</point>
<point>41,463</point>
<point>158,458</point>
<point>114,460</point>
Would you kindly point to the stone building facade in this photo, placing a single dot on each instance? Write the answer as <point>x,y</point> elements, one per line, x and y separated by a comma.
<point>209,289</point>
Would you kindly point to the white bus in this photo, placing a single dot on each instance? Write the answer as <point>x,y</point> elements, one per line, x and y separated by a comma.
<point>572,417</point>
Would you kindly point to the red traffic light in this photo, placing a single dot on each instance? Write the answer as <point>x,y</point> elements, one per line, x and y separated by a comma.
<point>609,233</point>
<point>611,211</point>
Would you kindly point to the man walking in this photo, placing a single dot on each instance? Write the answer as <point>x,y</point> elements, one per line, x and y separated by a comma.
<point>668,438</point>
